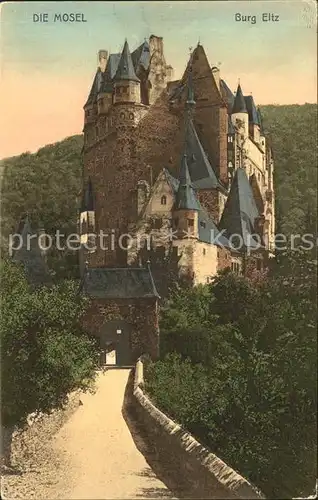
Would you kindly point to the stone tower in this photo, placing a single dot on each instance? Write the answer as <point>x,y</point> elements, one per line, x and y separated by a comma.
<point>124,88</point>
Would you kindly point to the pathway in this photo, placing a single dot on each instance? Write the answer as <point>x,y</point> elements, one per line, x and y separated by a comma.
<point>101,459</point>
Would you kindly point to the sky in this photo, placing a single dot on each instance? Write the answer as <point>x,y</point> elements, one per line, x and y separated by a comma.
<point>47,68</point>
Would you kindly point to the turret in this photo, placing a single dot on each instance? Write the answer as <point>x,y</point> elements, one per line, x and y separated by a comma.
<point>239,113</point>
<point>126,83</point>
<point>253,118</point>
<point>185,213</point>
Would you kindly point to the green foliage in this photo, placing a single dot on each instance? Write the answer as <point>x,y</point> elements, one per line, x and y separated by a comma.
<point>45,353</point>
<point>293,133</point>
<point>46,185</point>
<point>245,373</point>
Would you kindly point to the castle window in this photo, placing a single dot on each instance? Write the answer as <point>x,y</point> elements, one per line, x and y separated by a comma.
<point>204,251</point>
<point>122,116</point>
<point>208,280</point>
<point>157,223</point>
<point>190,223</point>
<point>163,200</point>
<point>235,266</point>
<point>131,116</point>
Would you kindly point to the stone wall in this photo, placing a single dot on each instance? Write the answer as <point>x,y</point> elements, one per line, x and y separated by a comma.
<point>195,468</point>
<point>140,314</point>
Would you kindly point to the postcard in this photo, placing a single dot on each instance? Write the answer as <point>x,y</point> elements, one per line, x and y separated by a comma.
<point>158,177</point>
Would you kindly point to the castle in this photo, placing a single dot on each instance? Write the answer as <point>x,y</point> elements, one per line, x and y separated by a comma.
<point>177,169</point>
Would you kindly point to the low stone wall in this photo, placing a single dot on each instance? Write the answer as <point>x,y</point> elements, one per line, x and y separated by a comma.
<point>196,469</point>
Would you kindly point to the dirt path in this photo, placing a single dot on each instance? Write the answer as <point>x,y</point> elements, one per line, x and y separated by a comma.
<point>101,458</point>
<point>93,456</point>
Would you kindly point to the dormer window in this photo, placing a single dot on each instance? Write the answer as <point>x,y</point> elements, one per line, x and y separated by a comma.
<point>163,200</point>
<point>202,224</point>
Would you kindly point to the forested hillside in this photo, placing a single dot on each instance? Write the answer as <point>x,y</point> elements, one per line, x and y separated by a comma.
<point>46,184</point>
<point>293,133</point>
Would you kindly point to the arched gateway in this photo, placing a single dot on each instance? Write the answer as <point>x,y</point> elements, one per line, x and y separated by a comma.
<point>123,313</point>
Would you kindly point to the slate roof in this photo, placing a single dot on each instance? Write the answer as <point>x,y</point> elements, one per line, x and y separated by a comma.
<point>209,232</point>
<point>185,196</point>
<point>201,172</point>
<point>240,211</point>
<point>251,109</point>
<point>228,94</point>
<point>239,105</point>
<point>174,183</point>
<point>97,82</point>
<point>29,255</point>
<point>88,204</point>
<point>125,69</point>
<point>141,56</point>
<point>119,283</point>
<point>111,66</point>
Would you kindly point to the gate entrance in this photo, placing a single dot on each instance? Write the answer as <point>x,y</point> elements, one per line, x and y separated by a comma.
<point>115,342</point>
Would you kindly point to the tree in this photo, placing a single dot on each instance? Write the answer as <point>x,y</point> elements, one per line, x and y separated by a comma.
<point>45,352</point>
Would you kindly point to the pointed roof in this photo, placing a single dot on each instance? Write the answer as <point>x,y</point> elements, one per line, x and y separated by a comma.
<point>111,66</point>
<point>239,105</point>
<point>227,94</point>
<point>29,255</point>
<point>88,204</point>
<point>201,172</point>
<point>125,69</point>
<point>185,197</point>
<point>251,109</point>
<point>141,56</point>
<point>240,211</point>
<point>209,232</point>
<point>97,83</point>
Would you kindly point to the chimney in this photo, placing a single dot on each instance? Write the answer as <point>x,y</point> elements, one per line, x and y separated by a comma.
<point>102,59</point>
